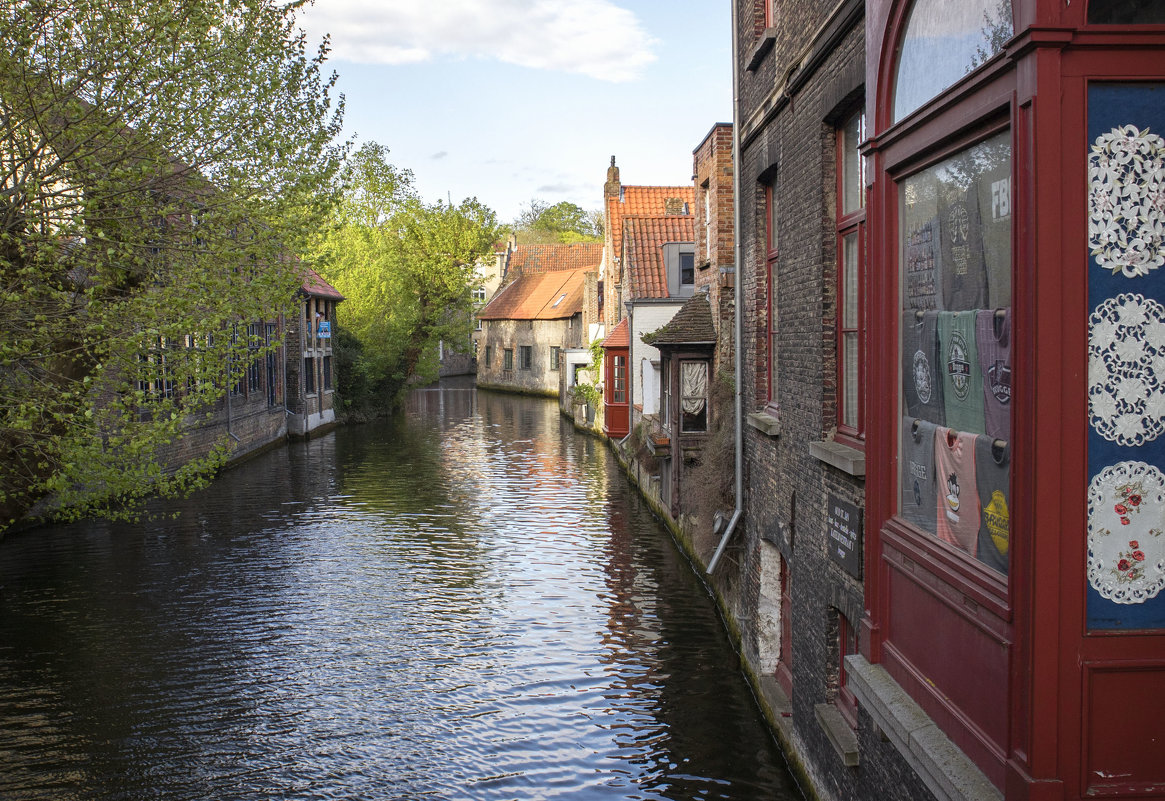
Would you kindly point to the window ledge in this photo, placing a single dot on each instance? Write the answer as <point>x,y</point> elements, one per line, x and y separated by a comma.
<point>761,49</point>
<point>843,457</point>
<point>945,769</point>
<point>765,423</point>
<point>843,738</point>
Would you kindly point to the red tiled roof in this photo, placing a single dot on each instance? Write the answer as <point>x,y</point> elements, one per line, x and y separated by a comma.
<point>643,201</point>
<point>316,286</point>
<point>644,238</point>
<point>620,337</point>
<point>539,296</point>
<point>527,259</point>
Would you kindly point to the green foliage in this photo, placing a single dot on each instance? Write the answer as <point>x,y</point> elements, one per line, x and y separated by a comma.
<point>406,268</point>
<point>563,222</point>
<point>157,160</point>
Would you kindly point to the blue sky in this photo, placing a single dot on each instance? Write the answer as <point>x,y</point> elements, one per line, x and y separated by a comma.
<point>510,100</point>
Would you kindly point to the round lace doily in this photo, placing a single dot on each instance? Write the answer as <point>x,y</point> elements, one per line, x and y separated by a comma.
<point>1126,547</point>
<point>1126,201</point>
<point>1126,367</point>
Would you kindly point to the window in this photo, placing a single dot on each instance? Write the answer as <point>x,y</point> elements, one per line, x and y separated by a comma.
<point>847,643</point>
<point>665,390</point>
<point>479,294</point>
<point>309,375</point>
<point>254,368</point>
<point>943,42</point>
<point>1126,12</point>
<point>525,357</point>
<point>508,359</point>
<point>327,369</point>
<point>693,396</point>
<point>489,353</point>
<point>955,266</point>
<point>851,224</point>
<point>687,269</point>
<point>619,379</point>
<point>555,357</point>
<point>770,205</point>
<point>272,369</point>
<point>707,221</point>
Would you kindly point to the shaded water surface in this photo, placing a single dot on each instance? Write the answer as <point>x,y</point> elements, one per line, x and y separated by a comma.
<point>466,603</point>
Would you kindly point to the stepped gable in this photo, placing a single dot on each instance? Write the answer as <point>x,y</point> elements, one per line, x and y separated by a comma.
<point>691,325</point>
<point>644,238</point>
<point>538,296</point>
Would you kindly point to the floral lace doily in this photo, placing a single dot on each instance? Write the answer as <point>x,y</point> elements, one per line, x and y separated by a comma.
<point>1126,368</point>
<point>1126,201</point>
<point>1126,546</point>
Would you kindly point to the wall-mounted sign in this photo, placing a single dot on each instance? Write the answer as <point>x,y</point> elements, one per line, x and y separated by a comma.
<point>325,330</point>
<point>843,522</point>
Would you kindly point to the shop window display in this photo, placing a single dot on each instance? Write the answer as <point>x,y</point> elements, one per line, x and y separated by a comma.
<point>955,266</point>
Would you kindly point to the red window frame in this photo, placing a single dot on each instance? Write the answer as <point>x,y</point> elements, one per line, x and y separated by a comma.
<point>771,268</point>
<point>619,379</point>
<point>851,278</point>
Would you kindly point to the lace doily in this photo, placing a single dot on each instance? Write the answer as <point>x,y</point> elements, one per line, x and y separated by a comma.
<point>1126,547</point>
<point>1126,201</point>
<point>1126,367</point>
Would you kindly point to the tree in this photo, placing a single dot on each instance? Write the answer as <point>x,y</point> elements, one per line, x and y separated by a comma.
<point>565,222</point>
<point>158,161</point>
<point>406,268</point>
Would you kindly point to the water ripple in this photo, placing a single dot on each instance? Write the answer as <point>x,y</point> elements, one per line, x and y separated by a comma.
<point>468,603</point>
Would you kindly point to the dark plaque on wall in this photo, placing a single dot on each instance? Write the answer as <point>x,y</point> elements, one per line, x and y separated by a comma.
<point>843,521</point>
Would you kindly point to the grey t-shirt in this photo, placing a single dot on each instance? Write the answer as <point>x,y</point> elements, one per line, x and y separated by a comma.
<point>922,384</point>
<point>993,341</point>
<point>992,469</point>
<point>919,502</point>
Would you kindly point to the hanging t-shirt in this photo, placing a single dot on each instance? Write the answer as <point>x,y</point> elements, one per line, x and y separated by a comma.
<point>922,265</point>
<point>992,469</point>
<point>919,501</point>
<point>964,271</point>
<point>957,510</point>
<point>921,382</point>
<point>962,378</point>
<point>993,343</point>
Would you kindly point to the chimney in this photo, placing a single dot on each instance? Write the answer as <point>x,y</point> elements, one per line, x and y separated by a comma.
<point>613,188</point>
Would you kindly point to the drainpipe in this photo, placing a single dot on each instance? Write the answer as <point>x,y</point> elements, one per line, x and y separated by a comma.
<point>737,322</point>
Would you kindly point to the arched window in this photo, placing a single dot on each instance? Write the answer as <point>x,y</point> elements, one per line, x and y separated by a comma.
<point>943,42</point>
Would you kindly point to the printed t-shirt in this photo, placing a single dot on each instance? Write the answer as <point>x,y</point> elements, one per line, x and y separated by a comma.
<point>964,271</point>
<point>992,469</point>
<point>957,510</point>
<point>919,502</point>
<point>922,384</point>
<point>923,257</point>
<point>993,343</point>
<point>962,378</point>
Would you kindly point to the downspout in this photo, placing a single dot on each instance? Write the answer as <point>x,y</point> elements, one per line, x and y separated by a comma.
<point>737,322</point>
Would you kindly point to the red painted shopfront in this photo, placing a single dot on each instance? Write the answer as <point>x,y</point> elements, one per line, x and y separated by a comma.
<point>616,390</point>
<point>1015,558</point>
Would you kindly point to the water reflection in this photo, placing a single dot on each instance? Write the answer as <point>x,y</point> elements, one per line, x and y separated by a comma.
<point>466,603</point>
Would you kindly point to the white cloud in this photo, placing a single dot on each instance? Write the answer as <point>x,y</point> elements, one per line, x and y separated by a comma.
<point>590,37</point>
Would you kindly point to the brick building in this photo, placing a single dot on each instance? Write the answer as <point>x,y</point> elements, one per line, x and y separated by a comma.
<point>311,385</point>
<point>536,317</point>
<point>949,239</point>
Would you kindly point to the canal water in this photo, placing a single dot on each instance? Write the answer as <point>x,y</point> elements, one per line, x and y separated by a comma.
<point>468,602</point>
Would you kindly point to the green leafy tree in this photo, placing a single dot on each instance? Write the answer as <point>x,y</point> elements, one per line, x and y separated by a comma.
<point>158,161</point>
<point>563,222</point>
<point>406,268</point>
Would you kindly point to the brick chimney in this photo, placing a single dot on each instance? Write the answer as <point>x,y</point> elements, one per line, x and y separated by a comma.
<point>613,187</point>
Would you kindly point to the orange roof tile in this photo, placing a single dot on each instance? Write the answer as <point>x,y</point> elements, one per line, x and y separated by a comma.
<point>313,284</point>
<point>620,337</point>
<point>644,238</point>
<point>643,201</point>
<point>538,296</point>
<point>552,257</point>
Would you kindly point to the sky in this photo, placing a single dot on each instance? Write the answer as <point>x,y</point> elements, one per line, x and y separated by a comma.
<point>512,100</point>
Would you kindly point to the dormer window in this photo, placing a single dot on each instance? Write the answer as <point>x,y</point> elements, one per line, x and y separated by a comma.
<point>687,269</point>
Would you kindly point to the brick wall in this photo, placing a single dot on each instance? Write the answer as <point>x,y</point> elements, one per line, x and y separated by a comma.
<point>789,103</point>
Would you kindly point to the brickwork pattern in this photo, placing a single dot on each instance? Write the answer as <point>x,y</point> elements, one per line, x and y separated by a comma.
<point>786,488</point>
